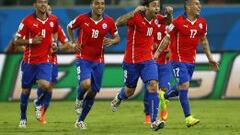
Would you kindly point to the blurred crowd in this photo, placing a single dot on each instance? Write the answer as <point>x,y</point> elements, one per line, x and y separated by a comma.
<point>108,2</point>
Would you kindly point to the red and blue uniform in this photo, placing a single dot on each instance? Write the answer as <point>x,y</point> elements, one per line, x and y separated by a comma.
<point>36,61</point>
<point>185,36</point>
<point>90,60</point>
<point>138,58</point>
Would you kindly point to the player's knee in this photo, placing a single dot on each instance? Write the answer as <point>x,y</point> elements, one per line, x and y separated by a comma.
<point>153,86</point>
<point>26,91</point>
<point>129,91</point>
<point>85,85</point>
<point>45,86</point>
<point>163,89</point>
<point>184,86</point>
<point>91,94</point>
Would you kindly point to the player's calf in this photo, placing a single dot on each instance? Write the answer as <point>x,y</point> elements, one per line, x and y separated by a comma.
<point>78,106</point>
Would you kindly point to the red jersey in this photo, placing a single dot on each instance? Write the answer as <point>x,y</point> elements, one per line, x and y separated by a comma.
<point>62,39</point>
<point>185,36</point>
<point>159,33</point>
<point>29,28</point>
<point>91,36</point>
<point>140,38</point>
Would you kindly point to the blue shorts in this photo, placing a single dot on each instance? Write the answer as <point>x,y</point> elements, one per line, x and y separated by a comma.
<point>182,71</point>
<point>54,73</point>
<point>146,70</point>
<point>90,70</point>
<point>164,75</point>
<point>33,72</point>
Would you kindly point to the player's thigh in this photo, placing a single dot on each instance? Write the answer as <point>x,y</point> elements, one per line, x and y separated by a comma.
<point>180,72</point>
<point>83,70</point>
<point>190,68</point>
<point>54,73</point>
<point>44,71</point>
<point>131,74</point>
<point>96,77</point>
<point>29,72</point>
<point>164,75</point>
<point>44,75</point>
<point>149,71</point>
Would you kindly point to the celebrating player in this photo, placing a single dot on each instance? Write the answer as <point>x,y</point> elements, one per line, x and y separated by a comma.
<point>185,33</point>
<point>38,32</point>
<point>94,27</point>
<point>42,102</point>
<point>164,73</point>
<point>138,59</point>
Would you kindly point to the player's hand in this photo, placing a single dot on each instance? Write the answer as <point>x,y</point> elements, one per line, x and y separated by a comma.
<point>214,65</point>
<point>155,46</point>
<point>76,47</point>
<point>107,41</point>
<point>139,8</point>
<point>168,9</point>
<point>37,39</point>
<point>156,55</point>
<point>54,47</point>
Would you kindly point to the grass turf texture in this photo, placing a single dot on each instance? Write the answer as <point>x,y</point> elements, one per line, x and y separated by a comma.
<point>218,117</point>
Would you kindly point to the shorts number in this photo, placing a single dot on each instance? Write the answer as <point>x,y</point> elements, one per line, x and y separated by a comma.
<point>176,72</point>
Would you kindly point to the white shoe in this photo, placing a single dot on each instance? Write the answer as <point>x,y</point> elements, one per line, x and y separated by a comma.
<point>80,125</point>
<point>156,125</point>
<point>78,106</point>
<point>115,103</point>
<point>22,124</point>
<point>37,110</point>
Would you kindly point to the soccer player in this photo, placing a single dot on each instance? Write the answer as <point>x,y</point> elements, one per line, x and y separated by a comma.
<point>164,73</point>
<point>94,27</point>
<point>185,33</point>
<point>38,32</point>
<point>138,59</point>
<point>44,101</point>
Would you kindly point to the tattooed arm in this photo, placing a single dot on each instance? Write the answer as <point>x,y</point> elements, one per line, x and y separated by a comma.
<point>122,20</point>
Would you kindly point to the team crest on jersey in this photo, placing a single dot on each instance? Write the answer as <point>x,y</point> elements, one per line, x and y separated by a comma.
<point>51,24</point>
<point>200,26</point>
<point>104,26</point>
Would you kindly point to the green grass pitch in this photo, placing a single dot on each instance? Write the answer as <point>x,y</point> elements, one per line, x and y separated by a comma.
<point>218,117</point>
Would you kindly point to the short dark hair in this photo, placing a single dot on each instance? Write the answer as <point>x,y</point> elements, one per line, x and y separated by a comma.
<point>91,1</point>
<point>146,2</point>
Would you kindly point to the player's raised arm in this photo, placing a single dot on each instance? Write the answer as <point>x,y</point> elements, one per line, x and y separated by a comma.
<point>169,12</point>
<point>122,20</point>
<point>206,49</point>
<point>163,44</point>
